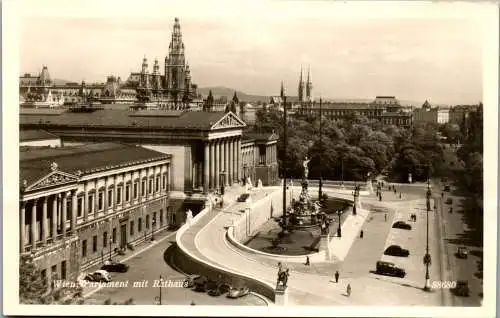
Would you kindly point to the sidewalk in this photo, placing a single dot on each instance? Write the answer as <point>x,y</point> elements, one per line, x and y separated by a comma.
<point>138,249</point>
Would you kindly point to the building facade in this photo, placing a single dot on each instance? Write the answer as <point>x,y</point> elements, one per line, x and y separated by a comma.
<point>429,114</point>
<point>173,89</point>
<point>81,204</point>
<point>204,145</point>
<point>170,89</point>
<point>386,109</point>
<point>260,158</point>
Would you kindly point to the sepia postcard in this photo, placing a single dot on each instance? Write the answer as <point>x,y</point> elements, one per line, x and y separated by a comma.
<point>250,158</point>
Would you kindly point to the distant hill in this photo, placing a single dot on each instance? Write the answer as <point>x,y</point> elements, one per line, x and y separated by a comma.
<point>218,91</point>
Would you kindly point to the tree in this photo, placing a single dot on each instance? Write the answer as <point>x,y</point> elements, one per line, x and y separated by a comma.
<point>32,287</point>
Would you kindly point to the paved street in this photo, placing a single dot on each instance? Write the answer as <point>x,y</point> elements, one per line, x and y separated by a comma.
<point>455,230</point>
<point>148,266</point>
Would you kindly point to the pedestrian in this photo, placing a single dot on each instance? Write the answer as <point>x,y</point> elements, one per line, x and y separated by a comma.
<point>361,234</point>
<point>395,191</point>
<point>400,195</point>
<point>385,217</point>
<point>337,276</point>
<point>348,290</point>
<point>307,261</point>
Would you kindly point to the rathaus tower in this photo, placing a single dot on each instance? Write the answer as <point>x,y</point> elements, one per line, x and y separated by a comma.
<point>174,89</point>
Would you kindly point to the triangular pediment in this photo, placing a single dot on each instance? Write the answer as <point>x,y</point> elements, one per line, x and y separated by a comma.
<point>229,120</point>
<point>54,178</point>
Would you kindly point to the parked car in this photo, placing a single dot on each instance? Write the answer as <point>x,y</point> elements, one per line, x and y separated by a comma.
<point>98,276</point>
<point>237,292</point>
<point>218,289</point>
<point>115,267</point>
<point>449,201</point>
<point>462,252</point>
<point>200,284</point>
<point>189,281</point>
<point>401,225</point>
<point>390,269</point>
<point>396,250</point>
<point>462,288</point>
<point>447,188</point>
<point>243,197</point>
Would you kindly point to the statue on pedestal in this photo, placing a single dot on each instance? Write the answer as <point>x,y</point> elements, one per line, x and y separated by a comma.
<point>282,277</point>
<point>305,163</point>
<point>189,216</point>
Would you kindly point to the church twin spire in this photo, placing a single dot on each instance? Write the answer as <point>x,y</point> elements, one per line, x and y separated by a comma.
<point>307,86</point>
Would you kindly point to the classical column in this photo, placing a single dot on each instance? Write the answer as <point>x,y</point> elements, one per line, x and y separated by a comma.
<point>217,164</point>
<point>74,209</point>
<point>235,160</point>
<point>22,227</point>
<point>212,165</point>
<point>33,226</point>
<point>229,162</point>
<point>206,167</point>
<point>44,221</point>
<point>85,204</point>
<point>64,214</point>
<point>226,161</point>
<point>54,218</point>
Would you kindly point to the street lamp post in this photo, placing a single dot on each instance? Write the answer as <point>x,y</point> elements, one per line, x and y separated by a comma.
<point>285,219</point>
<point>339,230</point>
<point>320,189</point>
<point>427,257</point>
<point>110,243</point>
<point>160,289</point>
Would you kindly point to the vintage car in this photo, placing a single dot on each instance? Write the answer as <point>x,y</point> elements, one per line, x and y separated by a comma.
<point>462,288</point>
<point>110,266</point>
<point>218,289</point>
<point>98,276</point>
<point>189,280</point>
<point>389,269</point>
<point>244,197</point>
<point>396,250</point>
<point>200,284</point>
<point>237,292</point>
<point>462,252</point>
<point>401,225</point>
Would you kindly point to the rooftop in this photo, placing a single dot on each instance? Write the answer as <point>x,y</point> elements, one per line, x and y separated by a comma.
<point>36,163</point>
<point>35,134</point>
<point>122,118</point>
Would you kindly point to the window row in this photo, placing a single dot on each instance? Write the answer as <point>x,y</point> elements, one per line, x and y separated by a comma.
<point>131,192</point>
<point>112,240</point>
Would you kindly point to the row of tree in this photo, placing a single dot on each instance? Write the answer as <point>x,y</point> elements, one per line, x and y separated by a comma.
<point>355,147</point>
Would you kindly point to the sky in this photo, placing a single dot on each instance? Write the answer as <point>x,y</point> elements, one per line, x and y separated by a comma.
<point>252,49</point>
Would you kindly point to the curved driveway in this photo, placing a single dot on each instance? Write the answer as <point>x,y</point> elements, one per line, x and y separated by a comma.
<point>207,239</point>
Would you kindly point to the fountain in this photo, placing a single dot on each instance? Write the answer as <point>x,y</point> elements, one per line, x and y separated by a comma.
<point>304,213</point>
